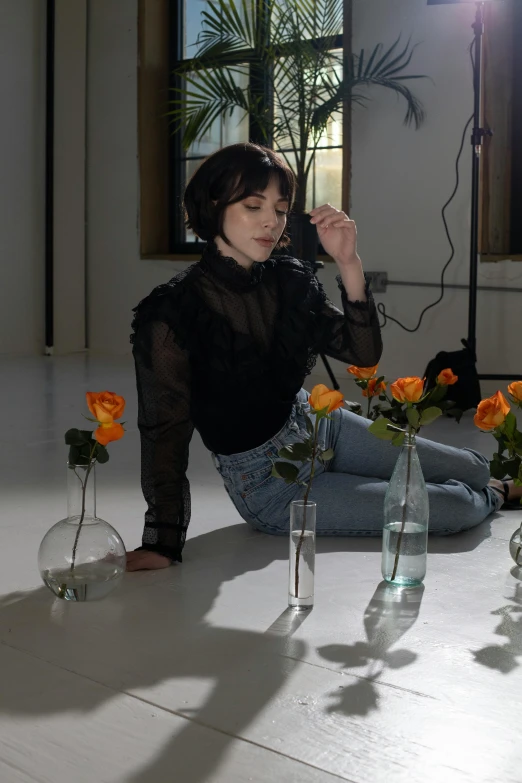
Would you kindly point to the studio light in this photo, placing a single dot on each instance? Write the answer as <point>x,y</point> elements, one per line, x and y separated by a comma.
<point>477,138</point>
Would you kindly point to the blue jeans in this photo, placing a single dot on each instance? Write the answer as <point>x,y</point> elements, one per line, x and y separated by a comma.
<point>350,490</point>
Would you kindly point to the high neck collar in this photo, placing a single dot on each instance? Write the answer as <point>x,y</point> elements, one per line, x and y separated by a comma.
<point>228,271</point>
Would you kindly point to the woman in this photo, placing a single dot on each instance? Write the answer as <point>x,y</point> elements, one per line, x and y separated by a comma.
<point>225,347</point>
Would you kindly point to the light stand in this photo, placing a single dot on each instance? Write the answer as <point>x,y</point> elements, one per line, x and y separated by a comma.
<point>477,137</point>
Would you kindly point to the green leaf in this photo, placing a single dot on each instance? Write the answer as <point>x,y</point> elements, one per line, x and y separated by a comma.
<point>101,454</point>
<point>437,394</point>
<point>512,467</point>
<point>429,415</point>
<point>285,471</point>
<point>510,425</point>
<point>398,440</point>
<point>297,452</point>
<point>413,417</point>
<point>322,413</point>
<point>496,468</point>
<point>74,437</point>
<point>74,455</point>
<point>379,428</point>
<point>327,455</point>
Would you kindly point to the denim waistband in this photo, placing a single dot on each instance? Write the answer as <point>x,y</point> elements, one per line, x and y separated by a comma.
<point>271,447</point>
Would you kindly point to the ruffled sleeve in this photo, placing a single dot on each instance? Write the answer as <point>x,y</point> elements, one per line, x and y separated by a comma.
<point>352,335</point>
<point>164,422</point>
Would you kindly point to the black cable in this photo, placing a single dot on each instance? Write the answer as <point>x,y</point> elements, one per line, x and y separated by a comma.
<point>380,307</point>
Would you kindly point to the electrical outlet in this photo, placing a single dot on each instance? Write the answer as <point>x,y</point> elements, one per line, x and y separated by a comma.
<point>378,281</point>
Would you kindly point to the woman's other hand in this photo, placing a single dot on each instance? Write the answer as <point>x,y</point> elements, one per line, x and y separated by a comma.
<point>338,234</point>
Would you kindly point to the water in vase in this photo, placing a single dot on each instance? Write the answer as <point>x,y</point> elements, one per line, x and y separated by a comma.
<point>88,581</point>
<point>306,568</point>
<point>411,565</point>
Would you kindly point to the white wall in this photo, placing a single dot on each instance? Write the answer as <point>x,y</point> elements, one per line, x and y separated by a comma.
<point>117,278</point>
<point>22,129</point>
<point>69,175</point>
<point>401,179</point>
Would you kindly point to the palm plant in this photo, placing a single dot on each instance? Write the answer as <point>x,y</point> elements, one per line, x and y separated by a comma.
<point>284,52</point>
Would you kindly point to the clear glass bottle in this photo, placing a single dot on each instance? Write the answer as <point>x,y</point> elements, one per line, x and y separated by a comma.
<point>302,555</point>
<point>515,546</point>
<point>82,557</point>
<point>406,515</point>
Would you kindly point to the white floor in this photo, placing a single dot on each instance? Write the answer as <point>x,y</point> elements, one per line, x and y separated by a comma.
<point>197,673</point>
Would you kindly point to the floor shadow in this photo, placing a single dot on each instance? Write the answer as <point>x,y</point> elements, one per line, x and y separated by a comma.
<point>390,614</point>
<point>160,627</point>
<point>506,657</point>
<point>152,630</point>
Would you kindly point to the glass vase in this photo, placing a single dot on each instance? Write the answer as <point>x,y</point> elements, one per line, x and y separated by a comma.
<point>82,557</point>
<point>515,546</point>
<point>406,515</point>
<point>302,555</point>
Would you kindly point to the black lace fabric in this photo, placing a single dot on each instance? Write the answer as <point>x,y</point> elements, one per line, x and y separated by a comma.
<point>225,350</point>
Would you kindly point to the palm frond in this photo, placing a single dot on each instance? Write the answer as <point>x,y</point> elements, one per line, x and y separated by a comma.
<point>227,22</point>
<point>317,18</point>
<point>292,42</point>
<point>415,114</point>
<point>206,97</point>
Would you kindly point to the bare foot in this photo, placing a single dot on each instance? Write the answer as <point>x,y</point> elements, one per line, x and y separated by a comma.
<point>143,560</point>
<point>515,493</point>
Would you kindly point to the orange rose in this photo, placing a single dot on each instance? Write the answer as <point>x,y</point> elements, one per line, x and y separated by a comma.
<point>373,390</point>
<point>108,432</point>
<point>105,406</point>
<point>407,389</point>
<point>447,378</point>
<point>492,412</point>
<point>363,373</point>
<point>515,389</point>
<point>323,397</point>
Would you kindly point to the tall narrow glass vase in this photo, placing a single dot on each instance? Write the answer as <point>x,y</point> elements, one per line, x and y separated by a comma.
<point>406,515</point>
<point>82,557</point>
<point>302,555</point>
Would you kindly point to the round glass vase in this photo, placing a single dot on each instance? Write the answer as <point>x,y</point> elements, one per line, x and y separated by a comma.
<point>82,557</point>
<point>302,555</point>
<point>406,515</point>
<point>515,546</point>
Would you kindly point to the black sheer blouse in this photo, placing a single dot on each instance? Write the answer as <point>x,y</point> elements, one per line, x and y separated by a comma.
<point>225,350</point>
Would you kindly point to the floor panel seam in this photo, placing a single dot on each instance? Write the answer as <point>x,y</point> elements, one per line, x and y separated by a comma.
<point>360,677</point>
<point>181,715</point>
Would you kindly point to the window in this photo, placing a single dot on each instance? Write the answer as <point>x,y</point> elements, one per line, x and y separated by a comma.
<point>325,180</point>
<point>501,192</point>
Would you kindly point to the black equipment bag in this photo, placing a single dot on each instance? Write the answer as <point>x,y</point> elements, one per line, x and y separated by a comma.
<point>466,392</point>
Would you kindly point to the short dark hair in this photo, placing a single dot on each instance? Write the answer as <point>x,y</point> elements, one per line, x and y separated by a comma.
<point>230,175</point>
